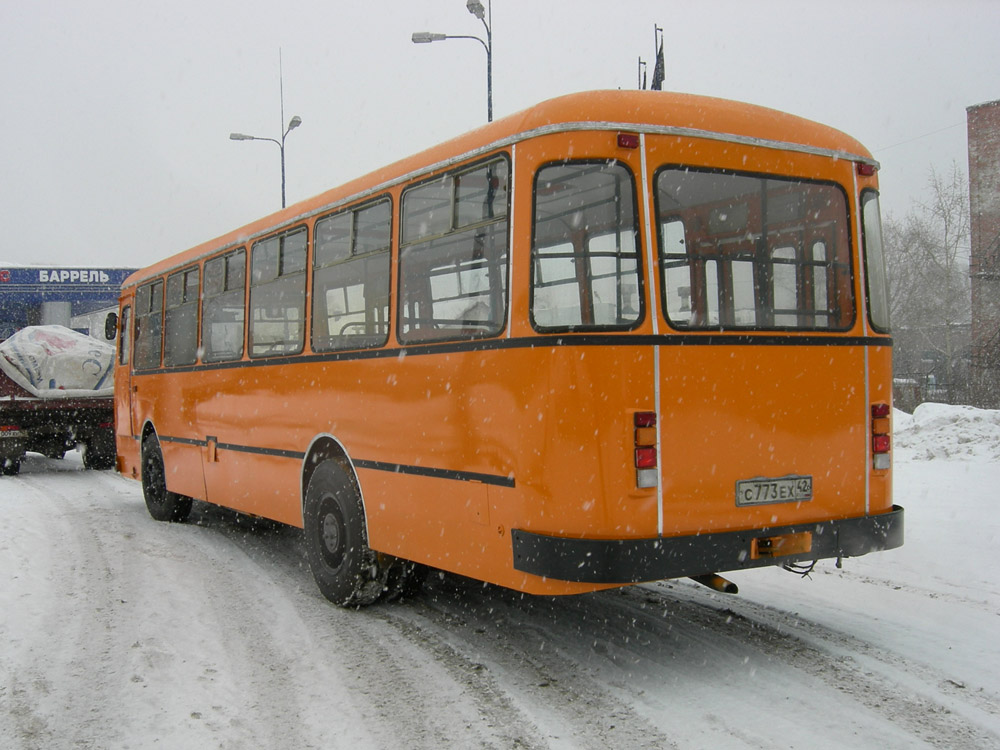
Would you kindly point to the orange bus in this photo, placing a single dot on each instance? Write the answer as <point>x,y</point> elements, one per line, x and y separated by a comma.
<point>617,337</point>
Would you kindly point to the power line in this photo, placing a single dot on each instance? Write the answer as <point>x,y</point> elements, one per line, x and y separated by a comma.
<point>917,138</point>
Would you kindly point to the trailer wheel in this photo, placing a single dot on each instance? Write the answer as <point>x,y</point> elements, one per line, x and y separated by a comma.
<point>98,456</point>
<point>346,570</point>
<point>10,466</point>
<point>163,505</point>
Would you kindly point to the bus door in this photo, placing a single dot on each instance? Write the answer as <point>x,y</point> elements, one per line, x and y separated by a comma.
<point>762,396</point>
<point>124,429</point>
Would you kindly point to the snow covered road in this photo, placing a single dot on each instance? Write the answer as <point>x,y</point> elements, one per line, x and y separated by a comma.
<point>120,632</point>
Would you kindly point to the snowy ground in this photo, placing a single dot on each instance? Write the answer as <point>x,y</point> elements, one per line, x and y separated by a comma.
<point>120,632</point>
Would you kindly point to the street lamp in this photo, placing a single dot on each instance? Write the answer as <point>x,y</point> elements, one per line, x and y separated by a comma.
<point>475,7</point>
<point>292,124</point>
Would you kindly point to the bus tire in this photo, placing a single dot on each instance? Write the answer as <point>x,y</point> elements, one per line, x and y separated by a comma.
<point>347,572</point>
<point>163,505</point>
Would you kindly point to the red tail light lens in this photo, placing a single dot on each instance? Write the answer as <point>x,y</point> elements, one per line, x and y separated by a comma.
<point>880,444</point>
<point>645,419</point>
<point>880,410</point>
<point>645,458</point>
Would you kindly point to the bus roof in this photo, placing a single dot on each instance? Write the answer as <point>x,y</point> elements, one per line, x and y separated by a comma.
<point>639,111</point>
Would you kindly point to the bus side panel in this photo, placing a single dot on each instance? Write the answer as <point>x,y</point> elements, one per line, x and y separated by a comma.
<point>440,522</point>
<point>261,485</point>
<point>251,440</point>
<point>165,401</point>
<point>182,468</point>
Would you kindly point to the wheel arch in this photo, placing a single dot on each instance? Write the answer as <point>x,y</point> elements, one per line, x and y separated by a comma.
<point>325,447</point>
<point>146,431</point>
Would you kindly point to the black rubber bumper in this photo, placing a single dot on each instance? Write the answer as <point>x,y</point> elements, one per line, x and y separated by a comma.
<point>634,560</point>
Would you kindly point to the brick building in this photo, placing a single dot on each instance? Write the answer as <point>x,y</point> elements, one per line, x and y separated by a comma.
<point>984,266</point>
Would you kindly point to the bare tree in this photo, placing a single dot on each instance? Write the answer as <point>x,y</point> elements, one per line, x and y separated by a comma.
<point>927,254</point>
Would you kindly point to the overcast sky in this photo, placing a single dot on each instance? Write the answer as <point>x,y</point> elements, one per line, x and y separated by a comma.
<point>115,115</point>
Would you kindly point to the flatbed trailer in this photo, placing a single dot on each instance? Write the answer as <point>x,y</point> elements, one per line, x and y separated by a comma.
<point>53,421</point>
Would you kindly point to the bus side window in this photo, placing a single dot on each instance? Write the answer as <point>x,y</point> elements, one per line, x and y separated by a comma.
<point>585,261</point>
<point>278,294</point>
<point>351,279</point>
<point>148,325</point>
<point>180,325</point>
<point>224,307</point>
<point>453,270</point>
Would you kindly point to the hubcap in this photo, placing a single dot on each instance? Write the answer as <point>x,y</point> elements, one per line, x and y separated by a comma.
<point>331,533</point>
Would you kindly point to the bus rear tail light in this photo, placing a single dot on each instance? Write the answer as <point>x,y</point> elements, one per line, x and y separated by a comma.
<point>10,430</point>
<point>881,441</point>
<point>646,473</point>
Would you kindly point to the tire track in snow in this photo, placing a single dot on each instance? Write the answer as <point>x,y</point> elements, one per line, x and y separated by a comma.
<point>116,630</point>
<point>408,691</point>
<point>494,632</point>
<point>840,660</point>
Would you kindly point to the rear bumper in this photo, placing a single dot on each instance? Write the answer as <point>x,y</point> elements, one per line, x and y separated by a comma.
<point>633,560</point>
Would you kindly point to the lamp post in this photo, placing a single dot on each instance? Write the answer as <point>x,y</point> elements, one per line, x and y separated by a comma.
<point>475,7</point>
<point>292,124</point>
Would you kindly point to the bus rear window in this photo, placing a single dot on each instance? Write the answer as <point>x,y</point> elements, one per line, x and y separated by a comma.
<point>751,252</point>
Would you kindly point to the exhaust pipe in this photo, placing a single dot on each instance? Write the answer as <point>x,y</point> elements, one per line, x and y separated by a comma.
<point>717,582</point>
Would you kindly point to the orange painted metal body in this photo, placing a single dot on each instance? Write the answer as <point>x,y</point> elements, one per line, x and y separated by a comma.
<point>539,428</point>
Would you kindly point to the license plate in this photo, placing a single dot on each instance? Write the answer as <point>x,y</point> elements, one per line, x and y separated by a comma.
<point>791,489</point>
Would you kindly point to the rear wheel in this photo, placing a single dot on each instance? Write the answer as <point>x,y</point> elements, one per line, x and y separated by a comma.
<point>163,505</point>
<point>98,454</point>
<point>347,572</point>
<point>10,465</point>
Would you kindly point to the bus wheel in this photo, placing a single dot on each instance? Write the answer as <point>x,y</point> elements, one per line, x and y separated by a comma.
<point>347,572</point>
<point>163,505</point>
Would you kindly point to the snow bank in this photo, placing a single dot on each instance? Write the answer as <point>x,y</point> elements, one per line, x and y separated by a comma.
<point>56,362</point>
<point>938,431</point>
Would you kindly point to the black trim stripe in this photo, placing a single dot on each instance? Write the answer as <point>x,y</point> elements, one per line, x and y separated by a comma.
<point>540,342</point>
<point>422,471</point>
<point>182,441</point>
<point>427,471</point>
